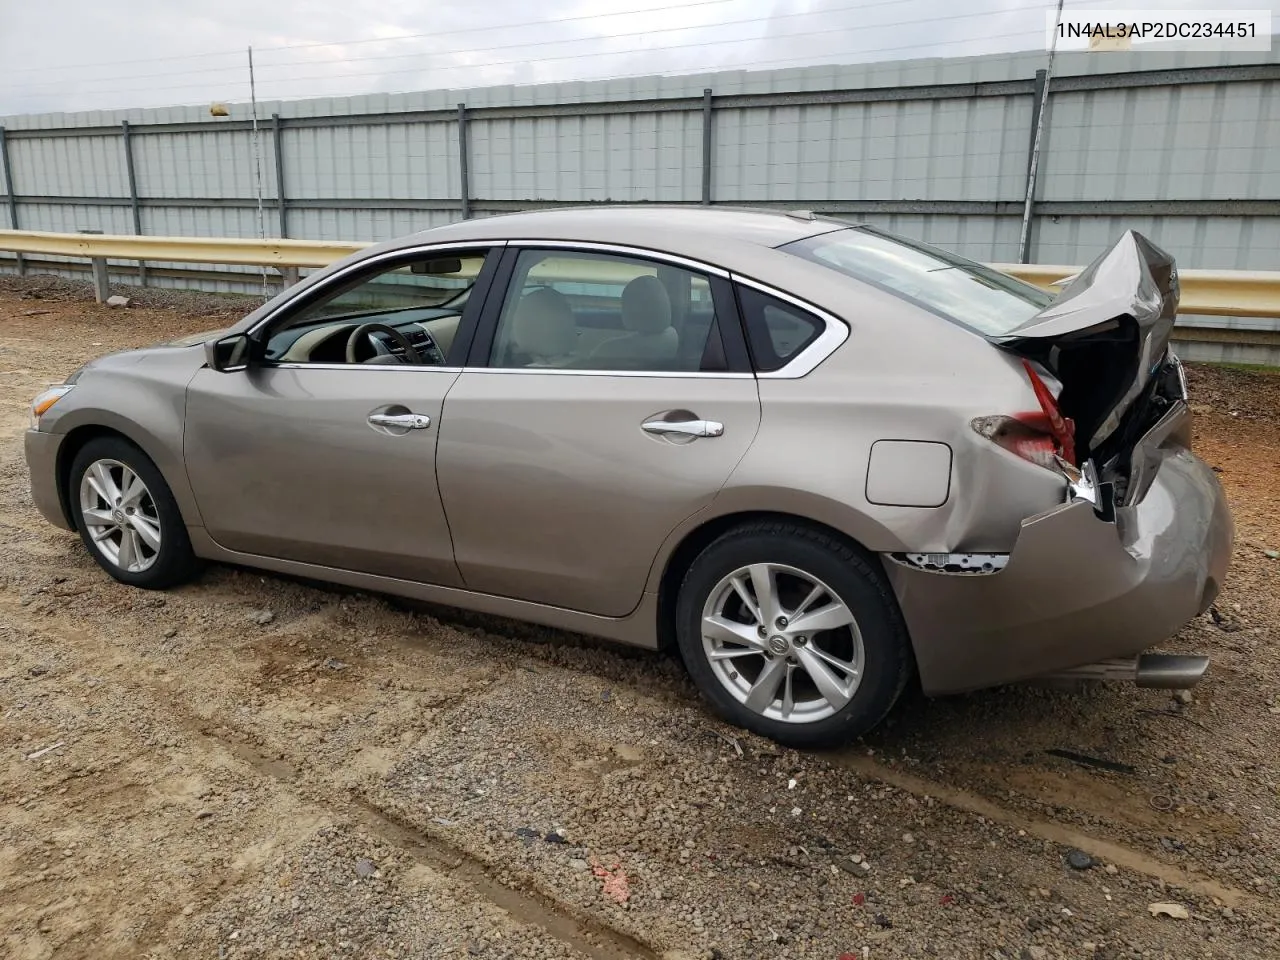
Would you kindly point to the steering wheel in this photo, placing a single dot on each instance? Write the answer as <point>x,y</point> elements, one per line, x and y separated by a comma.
<point>411,355</point>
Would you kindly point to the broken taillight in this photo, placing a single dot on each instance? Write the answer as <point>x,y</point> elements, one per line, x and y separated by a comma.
<point>1025,434</point>
<point>1062,428</point>
<point>1044,437</point>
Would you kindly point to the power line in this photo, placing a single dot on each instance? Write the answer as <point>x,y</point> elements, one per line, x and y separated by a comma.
<point>807,59</point>
<point>619,53</point>
<point>585,55</point>
<point>413,36</point>
<point>507,46</point>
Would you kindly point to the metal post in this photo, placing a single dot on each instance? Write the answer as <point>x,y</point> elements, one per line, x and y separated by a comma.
<point>13,201</point>
<point>1024,237</point>
<point>101,281</point>
<point>707,126</point>
<point>277,137</point>
<point>1041,78</point>
<point>133,194</point>
<point>463,174</point>
<point>1037,109</point>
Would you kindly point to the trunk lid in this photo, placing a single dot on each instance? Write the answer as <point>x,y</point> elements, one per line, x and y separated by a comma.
<point>1105,337</point>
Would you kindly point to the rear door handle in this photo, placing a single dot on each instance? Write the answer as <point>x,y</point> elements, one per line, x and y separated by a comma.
<point>684,428</point>
<point>404,421</point>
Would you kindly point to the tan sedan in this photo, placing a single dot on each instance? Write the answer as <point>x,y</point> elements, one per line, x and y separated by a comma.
<point>818,458</point>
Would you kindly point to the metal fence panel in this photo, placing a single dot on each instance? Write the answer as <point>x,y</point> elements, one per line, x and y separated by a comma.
<point>622,157</point>
<point>217,164</point>
<point>367,224</point>
<point>1210,243</point>
<point>371,161</point>
<point>1209,142</point>
<point>69,166</point>
<point>74,217</point>
<point>960,149</point>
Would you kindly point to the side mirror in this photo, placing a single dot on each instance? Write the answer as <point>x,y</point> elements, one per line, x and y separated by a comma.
<point>228,353</point>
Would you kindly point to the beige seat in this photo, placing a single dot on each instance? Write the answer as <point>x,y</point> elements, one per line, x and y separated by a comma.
<point>543,331</point>
<point>651,339</point>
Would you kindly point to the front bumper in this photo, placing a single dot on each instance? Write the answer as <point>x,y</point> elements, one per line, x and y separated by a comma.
<point>42,463</point>
<point>1076,589</point>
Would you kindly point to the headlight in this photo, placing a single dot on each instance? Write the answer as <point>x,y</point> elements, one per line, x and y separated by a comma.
<point>41,404</point>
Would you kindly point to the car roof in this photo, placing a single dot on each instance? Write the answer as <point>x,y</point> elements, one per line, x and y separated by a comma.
<point>730,237</point>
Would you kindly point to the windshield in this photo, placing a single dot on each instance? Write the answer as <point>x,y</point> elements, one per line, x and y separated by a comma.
<point>985,300</point>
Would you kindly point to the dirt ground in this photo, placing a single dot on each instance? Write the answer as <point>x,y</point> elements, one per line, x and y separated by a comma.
<point>255,767</point>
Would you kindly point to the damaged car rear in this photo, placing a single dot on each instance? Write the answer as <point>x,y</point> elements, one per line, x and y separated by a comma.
<point>1141,541</point>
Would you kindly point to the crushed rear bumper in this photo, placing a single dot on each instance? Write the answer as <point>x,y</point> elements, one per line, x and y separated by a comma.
<point>1076,589</point>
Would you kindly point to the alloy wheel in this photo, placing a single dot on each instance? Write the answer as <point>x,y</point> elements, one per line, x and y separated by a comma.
<point>120,515</point>
<point>782,643</point>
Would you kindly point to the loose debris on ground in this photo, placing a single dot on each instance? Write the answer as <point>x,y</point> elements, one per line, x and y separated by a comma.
<point>255,767</point>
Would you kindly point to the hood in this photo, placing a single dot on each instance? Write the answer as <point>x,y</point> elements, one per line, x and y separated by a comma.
<point>193,339</point>
<point>129,356</point>
<point>1107,333</point>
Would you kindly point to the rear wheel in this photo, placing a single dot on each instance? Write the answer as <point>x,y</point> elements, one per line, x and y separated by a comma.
<point>127,517</point>
<point>792,633</point>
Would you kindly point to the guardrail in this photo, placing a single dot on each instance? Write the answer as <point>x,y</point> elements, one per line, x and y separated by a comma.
<point>1214,293</point>
<point>1221,293</point>
<point>254,253</point>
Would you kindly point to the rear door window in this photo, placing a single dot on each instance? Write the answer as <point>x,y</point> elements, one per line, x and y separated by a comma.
<point>595,311</point>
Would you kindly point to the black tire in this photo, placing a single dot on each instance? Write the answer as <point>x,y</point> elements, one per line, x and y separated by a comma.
<point>174,562</point>
<point>887,663</point>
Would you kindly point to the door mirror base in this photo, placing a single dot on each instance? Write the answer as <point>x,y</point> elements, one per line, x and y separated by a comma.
<point>227,354</point>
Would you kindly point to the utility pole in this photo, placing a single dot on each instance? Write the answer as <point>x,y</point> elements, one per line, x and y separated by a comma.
<point>257,163</point>
<point>1024,238</point>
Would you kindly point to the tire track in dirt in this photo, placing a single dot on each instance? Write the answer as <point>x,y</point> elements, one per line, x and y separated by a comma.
<point>558,920</point>
<point>590,937</point>
<point>1119,854</point>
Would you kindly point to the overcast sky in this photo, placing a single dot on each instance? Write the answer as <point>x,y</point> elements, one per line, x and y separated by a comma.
<point>91,54</point>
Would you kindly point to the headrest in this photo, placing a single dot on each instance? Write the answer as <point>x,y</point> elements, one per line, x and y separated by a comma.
<point>543,324</point>
<point>646,308</point>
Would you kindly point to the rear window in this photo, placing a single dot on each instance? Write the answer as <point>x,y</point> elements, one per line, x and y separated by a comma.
<point>985,300</point>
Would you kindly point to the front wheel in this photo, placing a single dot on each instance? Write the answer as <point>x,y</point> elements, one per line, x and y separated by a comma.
<point>792,633</point>
<point>127,516</point>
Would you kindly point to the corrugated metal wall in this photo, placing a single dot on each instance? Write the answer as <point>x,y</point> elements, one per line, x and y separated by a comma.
<point>1184,147</point>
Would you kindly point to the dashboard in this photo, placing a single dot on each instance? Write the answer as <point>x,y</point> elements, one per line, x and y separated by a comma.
<point>430,332</point>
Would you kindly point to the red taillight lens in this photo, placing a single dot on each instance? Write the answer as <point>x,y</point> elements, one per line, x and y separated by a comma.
<point>1062,428</point>
<point>1042,437</point>
<point>1025,435</point>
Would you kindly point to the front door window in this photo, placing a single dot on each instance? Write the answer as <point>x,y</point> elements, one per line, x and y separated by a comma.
<point>405,313</point>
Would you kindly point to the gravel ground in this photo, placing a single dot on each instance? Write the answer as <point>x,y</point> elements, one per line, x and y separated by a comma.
<point>256,767</point>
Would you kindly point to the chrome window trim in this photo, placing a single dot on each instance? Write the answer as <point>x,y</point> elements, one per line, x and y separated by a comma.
<point>652,374</point>
<point>835,332</point>
<point>369,261</point>
<point>299,365</point>
<point>622,249</point>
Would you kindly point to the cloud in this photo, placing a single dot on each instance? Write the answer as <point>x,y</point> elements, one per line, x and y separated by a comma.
<point>85,54</point>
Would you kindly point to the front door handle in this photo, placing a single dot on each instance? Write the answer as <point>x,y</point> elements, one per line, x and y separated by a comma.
<point>684,428</point>
<point>404,421</point>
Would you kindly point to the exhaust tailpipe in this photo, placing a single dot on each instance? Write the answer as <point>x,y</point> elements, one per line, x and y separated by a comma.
<point>1170,671</point>
<point>1160,671</point>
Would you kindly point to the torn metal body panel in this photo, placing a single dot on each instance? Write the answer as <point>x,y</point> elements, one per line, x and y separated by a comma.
<point>1077,589</point>
<point>1128,296</point>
